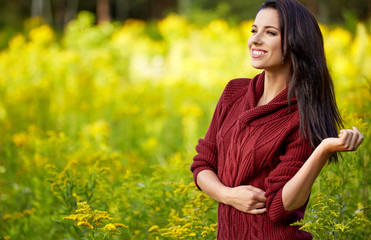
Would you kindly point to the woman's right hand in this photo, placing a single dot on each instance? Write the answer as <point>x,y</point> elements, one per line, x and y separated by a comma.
<point>247,198</point>
<point>244,198</point>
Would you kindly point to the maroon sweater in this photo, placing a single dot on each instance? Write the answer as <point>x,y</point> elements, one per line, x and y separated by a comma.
<point>259,146</point>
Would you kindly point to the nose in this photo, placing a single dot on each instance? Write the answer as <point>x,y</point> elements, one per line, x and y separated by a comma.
<point>255,39</point>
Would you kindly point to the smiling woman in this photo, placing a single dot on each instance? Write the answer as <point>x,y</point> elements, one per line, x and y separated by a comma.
<point>271,135</point>
<point>265,42</point>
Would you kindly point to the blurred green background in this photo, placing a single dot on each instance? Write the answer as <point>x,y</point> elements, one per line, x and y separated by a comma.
<point>57,13</point>
<point>102,103</point>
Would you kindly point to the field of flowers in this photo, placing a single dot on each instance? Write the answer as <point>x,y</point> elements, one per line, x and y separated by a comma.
<point>98,129</point>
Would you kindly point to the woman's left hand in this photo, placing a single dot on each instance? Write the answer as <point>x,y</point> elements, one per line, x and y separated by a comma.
<point>349,140</point>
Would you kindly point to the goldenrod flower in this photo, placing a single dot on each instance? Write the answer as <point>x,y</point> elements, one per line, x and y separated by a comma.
<point>20,139</point>
<point>153,228</point>
<point>102,217</point>
<point>86,217</point>
<point>98,129</point>
<point>28,211</point>
<point>85,224</point>
<point>110,227</point>
<point>7,216</point>
<point>17,41</point>
<point>19,214</point>
<point>119,225</point>
<point>42,35</point>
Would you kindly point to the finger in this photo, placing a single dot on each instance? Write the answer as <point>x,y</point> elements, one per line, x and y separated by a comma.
<point>342,133</point>
<point>359,138</point>
<point>359,141</point>
<point>255,189</point>
<point>353,138</point>
<point>257,211</point>
<point>259,205</point>
<point>356,130</point>
<point>261,198</point>
<point>258,196</point>
<point>347,139</point>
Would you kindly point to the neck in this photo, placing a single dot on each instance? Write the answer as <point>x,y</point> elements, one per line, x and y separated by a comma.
<point>274,83</point>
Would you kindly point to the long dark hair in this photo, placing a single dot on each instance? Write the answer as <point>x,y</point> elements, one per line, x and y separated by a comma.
<point>311,83</point>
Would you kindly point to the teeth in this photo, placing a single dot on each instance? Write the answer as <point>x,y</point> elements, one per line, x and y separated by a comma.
<point>258,52</point>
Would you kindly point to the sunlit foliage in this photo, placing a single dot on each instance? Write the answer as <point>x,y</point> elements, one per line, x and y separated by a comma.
<point>108,116</point>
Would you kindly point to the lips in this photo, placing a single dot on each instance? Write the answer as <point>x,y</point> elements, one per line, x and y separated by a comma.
<point>256,53</point>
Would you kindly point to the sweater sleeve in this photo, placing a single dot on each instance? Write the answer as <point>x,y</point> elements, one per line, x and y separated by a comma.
<point>207,150</point>
<point>206,157</point>
<point>295,154</point>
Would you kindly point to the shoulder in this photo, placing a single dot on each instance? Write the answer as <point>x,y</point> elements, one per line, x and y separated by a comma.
<point>238,83</point>
<point>235,89</point>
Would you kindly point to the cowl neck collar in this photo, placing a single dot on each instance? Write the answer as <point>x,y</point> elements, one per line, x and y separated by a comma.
<point>257,113</point>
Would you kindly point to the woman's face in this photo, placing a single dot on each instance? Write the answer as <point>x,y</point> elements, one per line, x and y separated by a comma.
<point>265,42</point>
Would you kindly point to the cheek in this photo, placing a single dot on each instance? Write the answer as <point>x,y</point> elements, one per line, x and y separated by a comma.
<point>278,47</point>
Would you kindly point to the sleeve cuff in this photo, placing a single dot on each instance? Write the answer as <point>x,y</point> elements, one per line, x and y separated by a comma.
<point>278,213</point>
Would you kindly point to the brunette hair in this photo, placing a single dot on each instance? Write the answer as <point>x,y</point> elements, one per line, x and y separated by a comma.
<point>311,83</point>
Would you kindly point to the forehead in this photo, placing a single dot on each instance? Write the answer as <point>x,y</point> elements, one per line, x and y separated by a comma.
<point>267,17</point>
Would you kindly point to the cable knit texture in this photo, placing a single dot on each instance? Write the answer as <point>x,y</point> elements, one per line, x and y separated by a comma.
<point>259,146</point>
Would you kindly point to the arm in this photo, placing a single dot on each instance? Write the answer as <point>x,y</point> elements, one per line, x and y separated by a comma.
<point>247,199</point>
<point>205,165</point>
<point>296,191</point>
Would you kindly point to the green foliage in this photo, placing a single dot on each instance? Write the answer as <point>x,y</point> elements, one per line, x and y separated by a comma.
<point>109,116</point>
<point>340,198</point>
<point>324,221</point>
<point>195,221</point>
<point>95,222</point>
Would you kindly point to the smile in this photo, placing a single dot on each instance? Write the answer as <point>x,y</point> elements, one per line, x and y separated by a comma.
<point>257,53</point>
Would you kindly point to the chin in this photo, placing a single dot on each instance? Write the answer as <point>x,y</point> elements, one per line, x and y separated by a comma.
<point>257,66</point>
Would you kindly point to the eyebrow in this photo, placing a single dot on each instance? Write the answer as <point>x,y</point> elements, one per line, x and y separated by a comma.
<point>267,27</point>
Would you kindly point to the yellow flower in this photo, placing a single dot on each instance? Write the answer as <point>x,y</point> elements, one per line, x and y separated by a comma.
<point>20,139</point>
<point>191,110</point>
<point>98,129</point>
<point>17,41</point>
<point>28,211</point>
<point>42,35</point>
<point>6,237</point>
<point>173,27</point>
<point>85,224</point>
<point>119,225</point>
<point>73,217</point>
<point>105,170</point>
<point>153,228</point>
<point>341,227</point>
<point>2,112</point>
<point>150,144</point>
<point>102,217</point>
<point>7,216</point>
<point>40,160</point>
<point>110,227</point>
<point>192,234</point>
<point>19,214</point>
<point>90,219</point>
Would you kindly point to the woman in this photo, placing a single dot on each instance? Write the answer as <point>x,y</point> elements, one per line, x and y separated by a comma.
<point>271,135</point>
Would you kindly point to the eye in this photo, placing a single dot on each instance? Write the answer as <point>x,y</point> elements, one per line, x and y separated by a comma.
<point>253,30</point>
<point>271,33</point>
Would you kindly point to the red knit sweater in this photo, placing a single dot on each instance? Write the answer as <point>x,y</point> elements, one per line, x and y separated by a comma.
<point>259,146</point>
